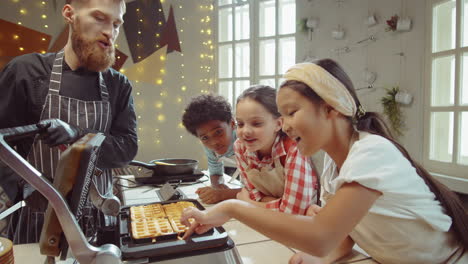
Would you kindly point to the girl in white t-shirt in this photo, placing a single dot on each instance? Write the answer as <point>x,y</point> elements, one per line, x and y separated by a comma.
<point>374,193</point>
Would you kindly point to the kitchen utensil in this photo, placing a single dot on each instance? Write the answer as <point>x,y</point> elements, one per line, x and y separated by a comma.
<point>177,167</point>
<point>168,245</point>
<point>163,163</point>
<point>81,249</point>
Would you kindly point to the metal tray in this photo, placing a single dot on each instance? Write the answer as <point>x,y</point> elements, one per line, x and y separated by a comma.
<point>165,245</point>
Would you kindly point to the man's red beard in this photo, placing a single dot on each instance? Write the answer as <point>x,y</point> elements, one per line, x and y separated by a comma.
<point>89,54</point>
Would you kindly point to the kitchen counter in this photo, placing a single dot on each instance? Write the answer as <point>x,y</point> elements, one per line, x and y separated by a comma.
<point>249,243</point>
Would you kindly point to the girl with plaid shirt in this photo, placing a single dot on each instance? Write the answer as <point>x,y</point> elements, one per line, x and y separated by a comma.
<point>275,175</point>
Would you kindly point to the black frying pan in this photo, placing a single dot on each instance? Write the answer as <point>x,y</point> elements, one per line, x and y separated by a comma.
<point>167,167</point>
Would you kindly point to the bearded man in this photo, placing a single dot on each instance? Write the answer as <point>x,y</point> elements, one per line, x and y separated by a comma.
<point>72,92</point>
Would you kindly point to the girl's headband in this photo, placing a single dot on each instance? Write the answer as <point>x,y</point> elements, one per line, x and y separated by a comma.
<point>330,89</point>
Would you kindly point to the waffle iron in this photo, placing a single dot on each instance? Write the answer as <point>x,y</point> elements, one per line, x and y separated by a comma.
<point>164,247</point>
<point>212,247</point>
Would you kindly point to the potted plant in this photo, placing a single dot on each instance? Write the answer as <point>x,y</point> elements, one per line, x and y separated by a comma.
<point>392,110</point>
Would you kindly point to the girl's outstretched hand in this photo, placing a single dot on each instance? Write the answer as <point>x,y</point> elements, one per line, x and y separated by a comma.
<point>204,220</point>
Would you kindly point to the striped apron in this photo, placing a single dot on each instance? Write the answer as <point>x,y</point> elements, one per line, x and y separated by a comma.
<point>84,114</point>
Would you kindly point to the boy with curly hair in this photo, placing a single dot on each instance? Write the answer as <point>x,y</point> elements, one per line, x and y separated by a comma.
<point>209,118</point>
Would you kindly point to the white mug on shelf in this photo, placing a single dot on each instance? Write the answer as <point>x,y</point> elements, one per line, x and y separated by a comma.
<point>403,97</point>
<point>369,77</point>
<point>311,24</point>
<point>371,20</point>
<point>338,33</point>
<point>404,24</point>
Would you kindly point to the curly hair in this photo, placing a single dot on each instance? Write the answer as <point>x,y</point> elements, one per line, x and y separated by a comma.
<point>204,108</point>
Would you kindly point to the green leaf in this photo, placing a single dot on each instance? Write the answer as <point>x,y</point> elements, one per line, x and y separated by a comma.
<point>392,110</point>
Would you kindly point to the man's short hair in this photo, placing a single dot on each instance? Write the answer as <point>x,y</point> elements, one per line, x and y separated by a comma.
<point>81,2</point>
<point>204,108</point>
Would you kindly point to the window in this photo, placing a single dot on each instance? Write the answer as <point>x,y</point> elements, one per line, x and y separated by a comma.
<point>446,107</point>
<point>256,43</point>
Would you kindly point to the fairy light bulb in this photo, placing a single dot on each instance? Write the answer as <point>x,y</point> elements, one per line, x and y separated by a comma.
<point>158,105</point>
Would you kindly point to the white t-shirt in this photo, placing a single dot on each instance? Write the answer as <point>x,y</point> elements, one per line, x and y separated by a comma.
<point>406,224</point>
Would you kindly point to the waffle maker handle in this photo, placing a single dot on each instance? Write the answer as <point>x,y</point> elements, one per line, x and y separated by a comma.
<point>81,249</point>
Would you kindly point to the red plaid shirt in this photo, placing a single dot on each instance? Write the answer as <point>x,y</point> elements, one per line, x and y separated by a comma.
<point>300,190</point>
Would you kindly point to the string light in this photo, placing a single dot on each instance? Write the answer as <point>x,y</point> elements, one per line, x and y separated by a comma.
<point>159,105</point>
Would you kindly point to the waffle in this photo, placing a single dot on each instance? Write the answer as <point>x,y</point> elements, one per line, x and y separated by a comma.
<point>153,220</point>
<point>151,227</point>
<point>176,209</point>
<point>177,226</point>
<point>146,211</point>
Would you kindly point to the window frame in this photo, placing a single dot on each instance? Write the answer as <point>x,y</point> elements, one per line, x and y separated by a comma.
<point>451,173</point>
<point>254,41</point>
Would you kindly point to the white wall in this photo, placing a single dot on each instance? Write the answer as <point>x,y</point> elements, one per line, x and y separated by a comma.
<point>157,139</point>
<point>174,140</point>
<point>381,56</point>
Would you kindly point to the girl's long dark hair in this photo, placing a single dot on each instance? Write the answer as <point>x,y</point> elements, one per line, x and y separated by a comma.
<point>373,123</point>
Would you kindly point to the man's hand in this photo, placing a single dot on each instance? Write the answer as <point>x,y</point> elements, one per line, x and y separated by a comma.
<point>57,132</point>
